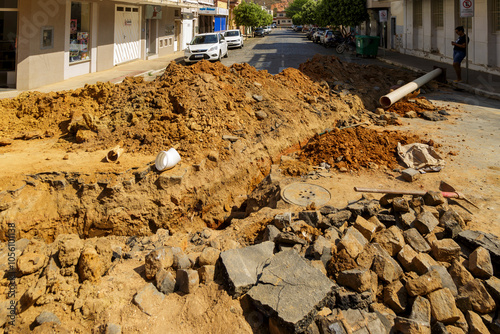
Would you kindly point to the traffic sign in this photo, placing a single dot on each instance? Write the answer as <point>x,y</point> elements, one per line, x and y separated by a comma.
<point>382,14</point>
<point>466,8</point>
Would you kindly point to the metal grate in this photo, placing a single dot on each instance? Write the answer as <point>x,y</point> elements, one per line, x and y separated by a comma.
<point>417,13</point>
<point>437,13</point>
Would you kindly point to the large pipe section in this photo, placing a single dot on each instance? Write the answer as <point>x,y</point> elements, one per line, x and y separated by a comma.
<point>387,100</point>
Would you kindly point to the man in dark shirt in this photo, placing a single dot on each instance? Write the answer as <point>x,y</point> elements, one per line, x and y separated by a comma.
<point>459,51</point>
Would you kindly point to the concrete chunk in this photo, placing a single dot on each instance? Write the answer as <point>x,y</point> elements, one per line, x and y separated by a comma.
<point>391,240</point>
<point>416,240</point>
<point>386,268</point>
<point>460,275</point>
<point>244,264</point>
<point>423,262</point>
<point>395,296</point>
<point>426,222</point>
<point>356,279</point>
<point>366,228</point>
<point>480,263</point>
<point>406,256</point>
<point>291,289</point>
<point>481,300</point>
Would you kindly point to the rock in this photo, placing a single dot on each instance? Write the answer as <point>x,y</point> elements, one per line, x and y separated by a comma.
<point>493,287</point>
<point>181,261</point>
<point>209,256</point>
<point>454,330</point>
<point>407,219</point>
<point>311,218</point>
<point>460,275</point>
<point>391,240</point>
<point>410,174</point>
<point>258,98</point>
<point>366,228</point>
<point>318,264</point>
<point>426,222</point>
<point>270,233</point>
<point>165,281</point>
<point>476,324</point>
<point>356,279</point>
<point>421,310</point>
<point>480,263</point>
<point>474,239</point>
<point>452,223</point>
<point>243,265</point>
<point>395,296</point>
<point>386,268</point>
<point>462,322</point>
<point>443,306</point>
<point>445,250</point>
<point>400,204</point>
<point>260,114</point>
<point>434,198</point>
<point>46,316</point>
<point>439,328</point>
<point>113,329</point>
<point>353,300</point>
<point>187,280</point>
<point>423,262</point>
<point>70,247</point>
<point>463,303</point>
<point>481,300</point>
<point>90,266</point>
<point>33,293</point>
<point>160,258</point>
<point>337,219</point>
<point>291,289</point>
<point>206,273</point>
<point>353,242</point>
<point>319,246</point>
<point>148,299</point>
<point>446,279</point>
<point>409,326</point>
<point>29,263</point>
<point>289,238</point>
<point>406,256</point>
<point>424,284</point>
<point>415,240</point>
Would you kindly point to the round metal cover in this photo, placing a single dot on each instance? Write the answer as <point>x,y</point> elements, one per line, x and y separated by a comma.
<point>304,194</point>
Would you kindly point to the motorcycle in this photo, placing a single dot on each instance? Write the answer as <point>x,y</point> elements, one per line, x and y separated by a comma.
<point>347,42</point>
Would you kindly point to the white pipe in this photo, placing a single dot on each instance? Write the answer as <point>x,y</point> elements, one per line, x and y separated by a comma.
<point>387,100</point>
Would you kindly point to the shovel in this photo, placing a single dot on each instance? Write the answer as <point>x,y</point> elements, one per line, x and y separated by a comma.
<point>446,190</point>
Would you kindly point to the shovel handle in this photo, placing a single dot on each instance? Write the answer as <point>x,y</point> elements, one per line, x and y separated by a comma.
<point>390,191</point>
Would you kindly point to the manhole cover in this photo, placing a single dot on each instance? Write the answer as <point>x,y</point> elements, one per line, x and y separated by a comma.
<point>304,194</point>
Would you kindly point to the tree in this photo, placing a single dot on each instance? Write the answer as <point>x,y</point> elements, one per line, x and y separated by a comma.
<point>251,15</point>
<point>295,8</point>
<point>308,12</point>
<point>342,12</point>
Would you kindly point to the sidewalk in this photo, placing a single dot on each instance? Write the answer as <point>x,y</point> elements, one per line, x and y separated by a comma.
<point>114,75</point>
<point>480,83</point>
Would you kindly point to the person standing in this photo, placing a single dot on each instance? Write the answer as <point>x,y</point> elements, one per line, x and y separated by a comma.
<point>459,51</point>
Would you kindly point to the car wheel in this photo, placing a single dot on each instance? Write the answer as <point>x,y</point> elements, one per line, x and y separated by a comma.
<point>227,54</point>
<point>340,48</point>
<point>220,56</point>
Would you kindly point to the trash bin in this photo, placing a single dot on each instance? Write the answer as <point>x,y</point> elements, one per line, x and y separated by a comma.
<point>367,45</point>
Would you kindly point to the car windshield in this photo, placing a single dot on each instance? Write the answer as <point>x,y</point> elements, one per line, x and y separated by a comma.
<point>204,39</point>
<point>232,33</point>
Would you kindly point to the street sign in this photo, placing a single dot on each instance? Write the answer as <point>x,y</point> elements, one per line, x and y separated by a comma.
<point>466,8</point>
<point>382,15</point>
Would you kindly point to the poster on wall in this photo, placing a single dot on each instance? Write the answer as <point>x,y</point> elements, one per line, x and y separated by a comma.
<point>73,26</point>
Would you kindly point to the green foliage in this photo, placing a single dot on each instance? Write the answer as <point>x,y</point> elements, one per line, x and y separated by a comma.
<point>308,12</point>
<point>251,15</point>
<point>342,12</point>
<point>295,8</point>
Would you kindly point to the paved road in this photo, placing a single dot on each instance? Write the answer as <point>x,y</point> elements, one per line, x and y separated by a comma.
<point>284,48</point>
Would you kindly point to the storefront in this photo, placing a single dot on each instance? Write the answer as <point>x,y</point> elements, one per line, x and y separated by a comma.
<point>220,20</point>
<point>8,42</point>
<point>206,19</point>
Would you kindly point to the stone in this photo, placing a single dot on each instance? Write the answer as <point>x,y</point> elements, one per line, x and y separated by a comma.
<point>400,204</point>
<point>410,174</point>
<point>416,240</point>
<point>493,286</point>
<point>480,299</point>
<point>206,273</point>
<point>209,256</point>
<point>165,281</point>
<point>439,328</point>
<point>113,329</point>
<point>410,326</point>
<point>426,222</point>
<point>454,330</point>
<point>318,264</point>
<point>424,284</point>
<point>366,228</point>
<point>90,266</point>
<point>70,247</point>
<point>476,324</point>
<point>353,300</point>
<point>337,219</point>
<point>181,261</point>
<point>33,293</point>
<point>318,247</point>
<point>463,303</point>
<point>289,238</point>
<point>258,98</point>
<point>356,279</point>
<point>452,223</point>
<point>407,219</point>
<point>187,280</point>
<point>29,263</point>
<point>160,258</point>
<point>421,310</point>
<point>443,306</point>
<point>292,290</point>
<point>260,114</point>
<point>445,250</point>
<point>395,296</point>
<point>406,256</point>
<point>423,262</point>
<point>353,242</point>
<point>391,240</point>
<point>270,233</point>
<point>462,322</point>
<point>460,275</point>
<point>46,316</point>
<point>480,263</point>
<point>446,278</point>
<point>148,299</point>
<point>244,264</point>
<point>434,198</point>
<point>386,268</point>
<point>311,218</point>
<point>474,239</point>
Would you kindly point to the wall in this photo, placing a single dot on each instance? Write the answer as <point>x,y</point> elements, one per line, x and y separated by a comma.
<point>105,35</point>
<point>36,66</point>
<point>165,31</point>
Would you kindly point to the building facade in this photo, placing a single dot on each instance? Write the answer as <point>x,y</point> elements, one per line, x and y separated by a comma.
<point>426,29</point>
<point>48,41</point>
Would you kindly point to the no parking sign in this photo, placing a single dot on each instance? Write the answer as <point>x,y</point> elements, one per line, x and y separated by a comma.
<point>466,8</point>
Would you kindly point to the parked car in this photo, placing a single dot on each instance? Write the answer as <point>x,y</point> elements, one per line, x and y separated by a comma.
<point>317,35</point>
<point>298,28</point>
<point>267,29</point>
<point>233,38</point>
<point>311,33</point>
<point>323,37</point>
<point>210,46</point>
<point>273,25</point>
<point>259,32</point>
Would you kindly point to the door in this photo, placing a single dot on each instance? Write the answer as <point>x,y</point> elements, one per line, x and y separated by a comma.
<point>177,30</point>
<point>8,46</point>
<point>151,36</point>
<point>187,32</point>
<point>127,34</point>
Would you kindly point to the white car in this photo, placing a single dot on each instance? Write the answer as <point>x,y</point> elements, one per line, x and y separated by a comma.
<point>234,38</point>
<point>267,29</point>
<point>211,46</point>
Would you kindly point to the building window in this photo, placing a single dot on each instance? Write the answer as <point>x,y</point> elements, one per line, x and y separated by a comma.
<point>437,13</point>
<point>417,13</point>
<point>495,15</point>
<point>79,36</point>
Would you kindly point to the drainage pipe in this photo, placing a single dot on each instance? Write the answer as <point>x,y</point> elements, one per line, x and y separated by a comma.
<point>387,100</point>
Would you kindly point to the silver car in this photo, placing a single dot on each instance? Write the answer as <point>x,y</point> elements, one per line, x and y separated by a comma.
<point>210,46</point>
<point>233,38</point>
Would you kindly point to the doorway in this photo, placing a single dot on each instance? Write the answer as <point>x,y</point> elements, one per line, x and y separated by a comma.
<point>8,48</point>
<point>151,37</point>
<point>127,34</point>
